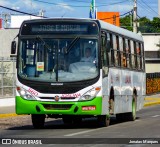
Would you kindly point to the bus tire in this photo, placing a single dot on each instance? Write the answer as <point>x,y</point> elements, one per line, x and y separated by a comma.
<point>38,120</point>
<point>103,120</point>
<point>111,101</point>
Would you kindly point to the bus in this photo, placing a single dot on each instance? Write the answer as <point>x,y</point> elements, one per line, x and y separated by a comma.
<point>52,80</point>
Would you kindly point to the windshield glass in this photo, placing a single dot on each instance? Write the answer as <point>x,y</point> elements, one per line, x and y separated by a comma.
<point>58,60</point>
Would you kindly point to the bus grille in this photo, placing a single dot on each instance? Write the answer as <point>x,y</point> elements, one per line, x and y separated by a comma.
<point>63,98</point>
<point>57,106</point>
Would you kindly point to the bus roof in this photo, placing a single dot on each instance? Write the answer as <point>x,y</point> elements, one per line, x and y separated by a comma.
<point>118,30</point>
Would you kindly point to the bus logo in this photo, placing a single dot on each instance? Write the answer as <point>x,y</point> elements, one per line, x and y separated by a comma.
<point>56,98</point>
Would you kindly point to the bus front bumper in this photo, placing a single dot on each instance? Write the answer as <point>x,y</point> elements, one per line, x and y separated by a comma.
<point>92,107</point>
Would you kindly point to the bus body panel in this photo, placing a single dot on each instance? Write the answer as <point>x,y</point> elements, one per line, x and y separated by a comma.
<point>124,82</point>
<point>92,107</point>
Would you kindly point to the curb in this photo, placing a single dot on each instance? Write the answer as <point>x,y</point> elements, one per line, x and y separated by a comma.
<point>8,115</point>
<point>149,101</point>
<point>151,104</point>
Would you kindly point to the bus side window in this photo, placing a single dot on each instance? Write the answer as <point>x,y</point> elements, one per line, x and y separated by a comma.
<point>116,50</point>
<point>138,55</point>
<point>104,50</point>
<point>132,55</point>
<point>142,58</point>
<point>135,55</point>
<point>122,54</point>
<point>111,59</point>
<point>106,37</point>
<point>127,48</point>
<point>109,48</point>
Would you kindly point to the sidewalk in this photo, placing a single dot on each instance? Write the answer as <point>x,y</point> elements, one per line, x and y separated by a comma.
<point>6,102</point>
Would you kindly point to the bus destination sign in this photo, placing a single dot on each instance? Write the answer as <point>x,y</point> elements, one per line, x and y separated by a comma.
<point>60,28</point>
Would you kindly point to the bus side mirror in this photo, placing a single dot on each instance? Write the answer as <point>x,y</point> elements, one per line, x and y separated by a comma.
<point>13,47</point>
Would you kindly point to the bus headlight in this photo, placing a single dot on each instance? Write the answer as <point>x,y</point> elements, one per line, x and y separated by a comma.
<point>90,94</point>
<point>25,94</point>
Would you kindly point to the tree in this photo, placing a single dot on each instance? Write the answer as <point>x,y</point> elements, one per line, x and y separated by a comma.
<point>156,24</point>
<point>145,25</point>
<point>125,22</point>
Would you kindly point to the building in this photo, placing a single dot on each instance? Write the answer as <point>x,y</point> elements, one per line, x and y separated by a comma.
<point>6,37</point>
<point>16,20</point>
<point>110,17</point>
<point>152,51</point>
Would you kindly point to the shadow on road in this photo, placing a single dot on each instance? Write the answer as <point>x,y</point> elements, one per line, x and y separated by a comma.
<point>90,123</point>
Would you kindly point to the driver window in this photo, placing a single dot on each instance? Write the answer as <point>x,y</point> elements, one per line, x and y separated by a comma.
<point>105,61</point>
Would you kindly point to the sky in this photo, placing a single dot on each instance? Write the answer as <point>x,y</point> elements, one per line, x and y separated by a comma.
<point>80,8</point>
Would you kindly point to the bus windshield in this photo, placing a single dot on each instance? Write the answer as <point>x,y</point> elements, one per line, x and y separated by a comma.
<point>58,60</point>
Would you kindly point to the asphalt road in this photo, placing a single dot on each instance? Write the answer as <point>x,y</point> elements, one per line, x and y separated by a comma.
<point>147,125</point>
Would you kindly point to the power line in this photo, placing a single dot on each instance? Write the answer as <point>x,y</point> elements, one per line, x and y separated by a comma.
<point>143,5</point>
<point>61,4</point>
<point>20,11</point>
<point>84,1</point>
<point>150,7</point>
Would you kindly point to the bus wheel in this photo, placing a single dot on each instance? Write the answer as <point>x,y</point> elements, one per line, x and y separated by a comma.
<point>132,115</point>
<point>38,120</point>
<point>103,120</point>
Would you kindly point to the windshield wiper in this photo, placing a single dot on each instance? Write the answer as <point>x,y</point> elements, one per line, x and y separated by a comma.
<point>71,44</point>
<point>44,43</point>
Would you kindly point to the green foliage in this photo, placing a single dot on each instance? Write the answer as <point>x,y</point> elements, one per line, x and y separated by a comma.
<point>145,25</point>
<point>125,22</point>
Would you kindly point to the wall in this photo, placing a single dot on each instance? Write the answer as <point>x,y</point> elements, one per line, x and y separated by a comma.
<point>151,40</point>
<point>152,67</point>
<point>16,20</point>
<point>6,37</point>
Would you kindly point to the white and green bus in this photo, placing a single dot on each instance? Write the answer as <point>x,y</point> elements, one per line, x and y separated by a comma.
<point>53,80</point>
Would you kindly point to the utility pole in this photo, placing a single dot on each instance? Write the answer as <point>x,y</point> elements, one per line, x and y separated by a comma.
<point>159,8</point>
<point>41,13</point>
<point>6,19</point>
<point>135,17</point>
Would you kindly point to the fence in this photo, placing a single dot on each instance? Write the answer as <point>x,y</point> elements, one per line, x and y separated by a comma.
<point>7,77</point>
<point>152,83</point>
